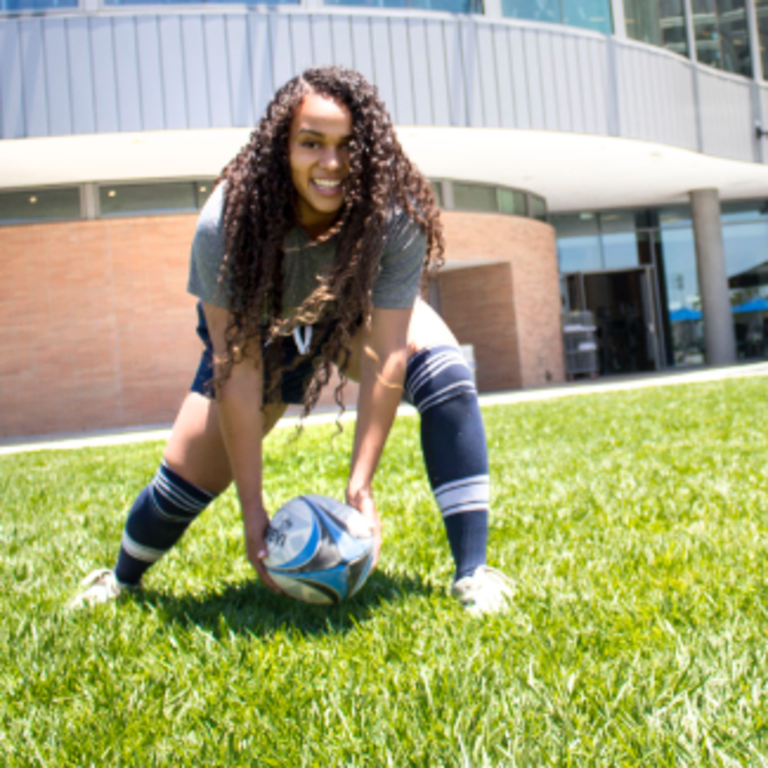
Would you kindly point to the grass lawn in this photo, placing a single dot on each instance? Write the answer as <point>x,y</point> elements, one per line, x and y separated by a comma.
<point>634,524</point>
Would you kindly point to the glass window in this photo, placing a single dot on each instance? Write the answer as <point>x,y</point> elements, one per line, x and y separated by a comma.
<point>617,221</point>
<point>761,7</point>
<point>578,242</point>
<point>39,205</point>
<point>620,250</point>
<point>511,201</point>
<point>734,38</point>
<point>720,28</point>
<point>536,10</point>
<point>538,207</point>
<point>36,5</point>
<point>746,264</point>
<point>125,199</point>
<point>677,254</point>
<point>751,211</point>
<point>590,14</point>
<point>677,216</point>
<point>437,188</point>
<point>451,6</point>
<point>474,197</point>
<point>203,189</point>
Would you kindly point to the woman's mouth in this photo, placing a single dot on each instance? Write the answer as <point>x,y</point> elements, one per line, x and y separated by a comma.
<point>328,187</point>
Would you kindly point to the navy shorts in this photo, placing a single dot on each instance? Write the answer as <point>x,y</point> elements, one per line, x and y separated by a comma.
<point>281,353</point>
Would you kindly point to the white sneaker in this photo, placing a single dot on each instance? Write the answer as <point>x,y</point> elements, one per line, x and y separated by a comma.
<point>486,591</point>
<point>99,586</point>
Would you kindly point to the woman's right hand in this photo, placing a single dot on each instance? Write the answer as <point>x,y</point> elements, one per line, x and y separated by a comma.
<point>256,546</point>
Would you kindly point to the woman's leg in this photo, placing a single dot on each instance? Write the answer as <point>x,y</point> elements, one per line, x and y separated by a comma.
<point>439,383</point>
<point>194,471</point>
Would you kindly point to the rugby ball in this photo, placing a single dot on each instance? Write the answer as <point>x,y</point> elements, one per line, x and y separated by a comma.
<point>319,550</point>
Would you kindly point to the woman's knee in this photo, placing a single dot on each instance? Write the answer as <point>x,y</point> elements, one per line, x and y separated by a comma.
<point>195,449</point>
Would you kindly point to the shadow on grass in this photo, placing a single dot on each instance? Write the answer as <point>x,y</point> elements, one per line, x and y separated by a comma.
<point>251,608</point>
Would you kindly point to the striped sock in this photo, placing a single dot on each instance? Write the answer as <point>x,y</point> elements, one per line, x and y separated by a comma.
<point>157,520</point>
<point>439,383</point>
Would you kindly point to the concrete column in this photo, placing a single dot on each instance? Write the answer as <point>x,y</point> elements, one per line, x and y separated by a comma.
<point>719,337</point>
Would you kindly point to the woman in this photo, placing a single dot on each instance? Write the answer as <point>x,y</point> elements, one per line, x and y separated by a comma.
<point>310,252</point>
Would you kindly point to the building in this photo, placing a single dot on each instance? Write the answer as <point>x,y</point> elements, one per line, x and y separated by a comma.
<point>591,155</point>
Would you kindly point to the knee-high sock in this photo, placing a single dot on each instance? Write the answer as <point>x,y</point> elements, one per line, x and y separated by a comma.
<point>439,383</point>
<point>157,520</point>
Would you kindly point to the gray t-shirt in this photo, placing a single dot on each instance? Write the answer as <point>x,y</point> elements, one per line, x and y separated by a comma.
<point>395,287</point>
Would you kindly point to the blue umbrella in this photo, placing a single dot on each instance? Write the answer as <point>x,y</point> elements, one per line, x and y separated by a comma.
<point>753,305</point>
<point>679,315</point>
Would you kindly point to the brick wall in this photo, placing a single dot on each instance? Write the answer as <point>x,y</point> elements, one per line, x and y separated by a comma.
<point>529,248</point>
<point>99,330</point>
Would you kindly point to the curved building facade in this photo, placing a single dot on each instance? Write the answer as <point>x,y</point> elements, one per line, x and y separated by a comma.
<point>592,156</point>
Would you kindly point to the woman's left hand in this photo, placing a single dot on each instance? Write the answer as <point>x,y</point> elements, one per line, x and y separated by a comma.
<point>364,502</point>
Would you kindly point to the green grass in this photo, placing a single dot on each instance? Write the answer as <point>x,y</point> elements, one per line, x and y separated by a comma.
<point>634,524</point>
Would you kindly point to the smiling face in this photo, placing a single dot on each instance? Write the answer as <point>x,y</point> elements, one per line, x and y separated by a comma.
<point>318,150</point>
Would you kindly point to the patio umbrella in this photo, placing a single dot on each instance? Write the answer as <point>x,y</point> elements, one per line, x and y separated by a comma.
<point>753,305</point>
<point>684,314</point>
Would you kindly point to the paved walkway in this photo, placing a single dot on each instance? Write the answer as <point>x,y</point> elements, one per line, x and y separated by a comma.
<point>580,387</point>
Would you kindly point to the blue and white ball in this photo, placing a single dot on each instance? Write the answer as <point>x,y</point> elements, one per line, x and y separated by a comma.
<point>320,550</point>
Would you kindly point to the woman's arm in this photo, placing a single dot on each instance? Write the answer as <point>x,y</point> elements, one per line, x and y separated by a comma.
<point>240,416</point>
<point>382,372</point>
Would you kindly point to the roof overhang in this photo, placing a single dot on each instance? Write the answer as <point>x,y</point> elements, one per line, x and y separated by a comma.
<point>572,171</point>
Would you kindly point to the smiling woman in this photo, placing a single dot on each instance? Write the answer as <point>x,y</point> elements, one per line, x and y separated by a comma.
<point>319,148</point>
<point>309,254</point>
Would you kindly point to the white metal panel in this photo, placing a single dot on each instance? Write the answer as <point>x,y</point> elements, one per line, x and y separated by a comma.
<point>521,81</point>
<point>455,73</point>
<point>104,77</point>
<point>301,42</point>
<point>441,106</point>
<point>561,82</point>
<point>599,103</point>
<point>341,33</point>
<point>152,95</point>
<point>261,63</point>
<point>382,63</point>
<point>218,76</point>
<point>11,85</point>
<point>489,84</point>
<point>195,71</point>
<point>172,72</point>
<point>505,86</point>
<point>472,81</point>
<point>322,45</point>
<point>241,89</point>
<point>536,85</point>
<point>401,70</point>
<point>81,86</point>
<point>33,77</point>
<point>362,53</point>
<point>57,77</point>
<point>280,43</point>
<point>420,66</point>
<point>550,92</point>
<point>726,116</point>
<point>575,74</point>
<point>127,70</point>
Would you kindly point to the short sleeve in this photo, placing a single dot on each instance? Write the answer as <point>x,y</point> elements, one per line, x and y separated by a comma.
<point>402,260</point>
<point>208,252</point>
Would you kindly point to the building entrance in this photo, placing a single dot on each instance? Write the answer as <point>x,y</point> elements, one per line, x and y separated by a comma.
<point>625,311</point>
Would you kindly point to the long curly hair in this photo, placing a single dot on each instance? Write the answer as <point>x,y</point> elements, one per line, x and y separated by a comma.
<point>260,209</point>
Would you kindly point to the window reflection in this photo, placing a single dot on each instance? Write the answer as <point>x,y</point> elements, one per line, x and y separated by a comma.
<point>39,205</point>
<point>658,22</point>
<point>720,29</point>
<point>589,14</point>
<point>746,263</point>
<point>677,254</point>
